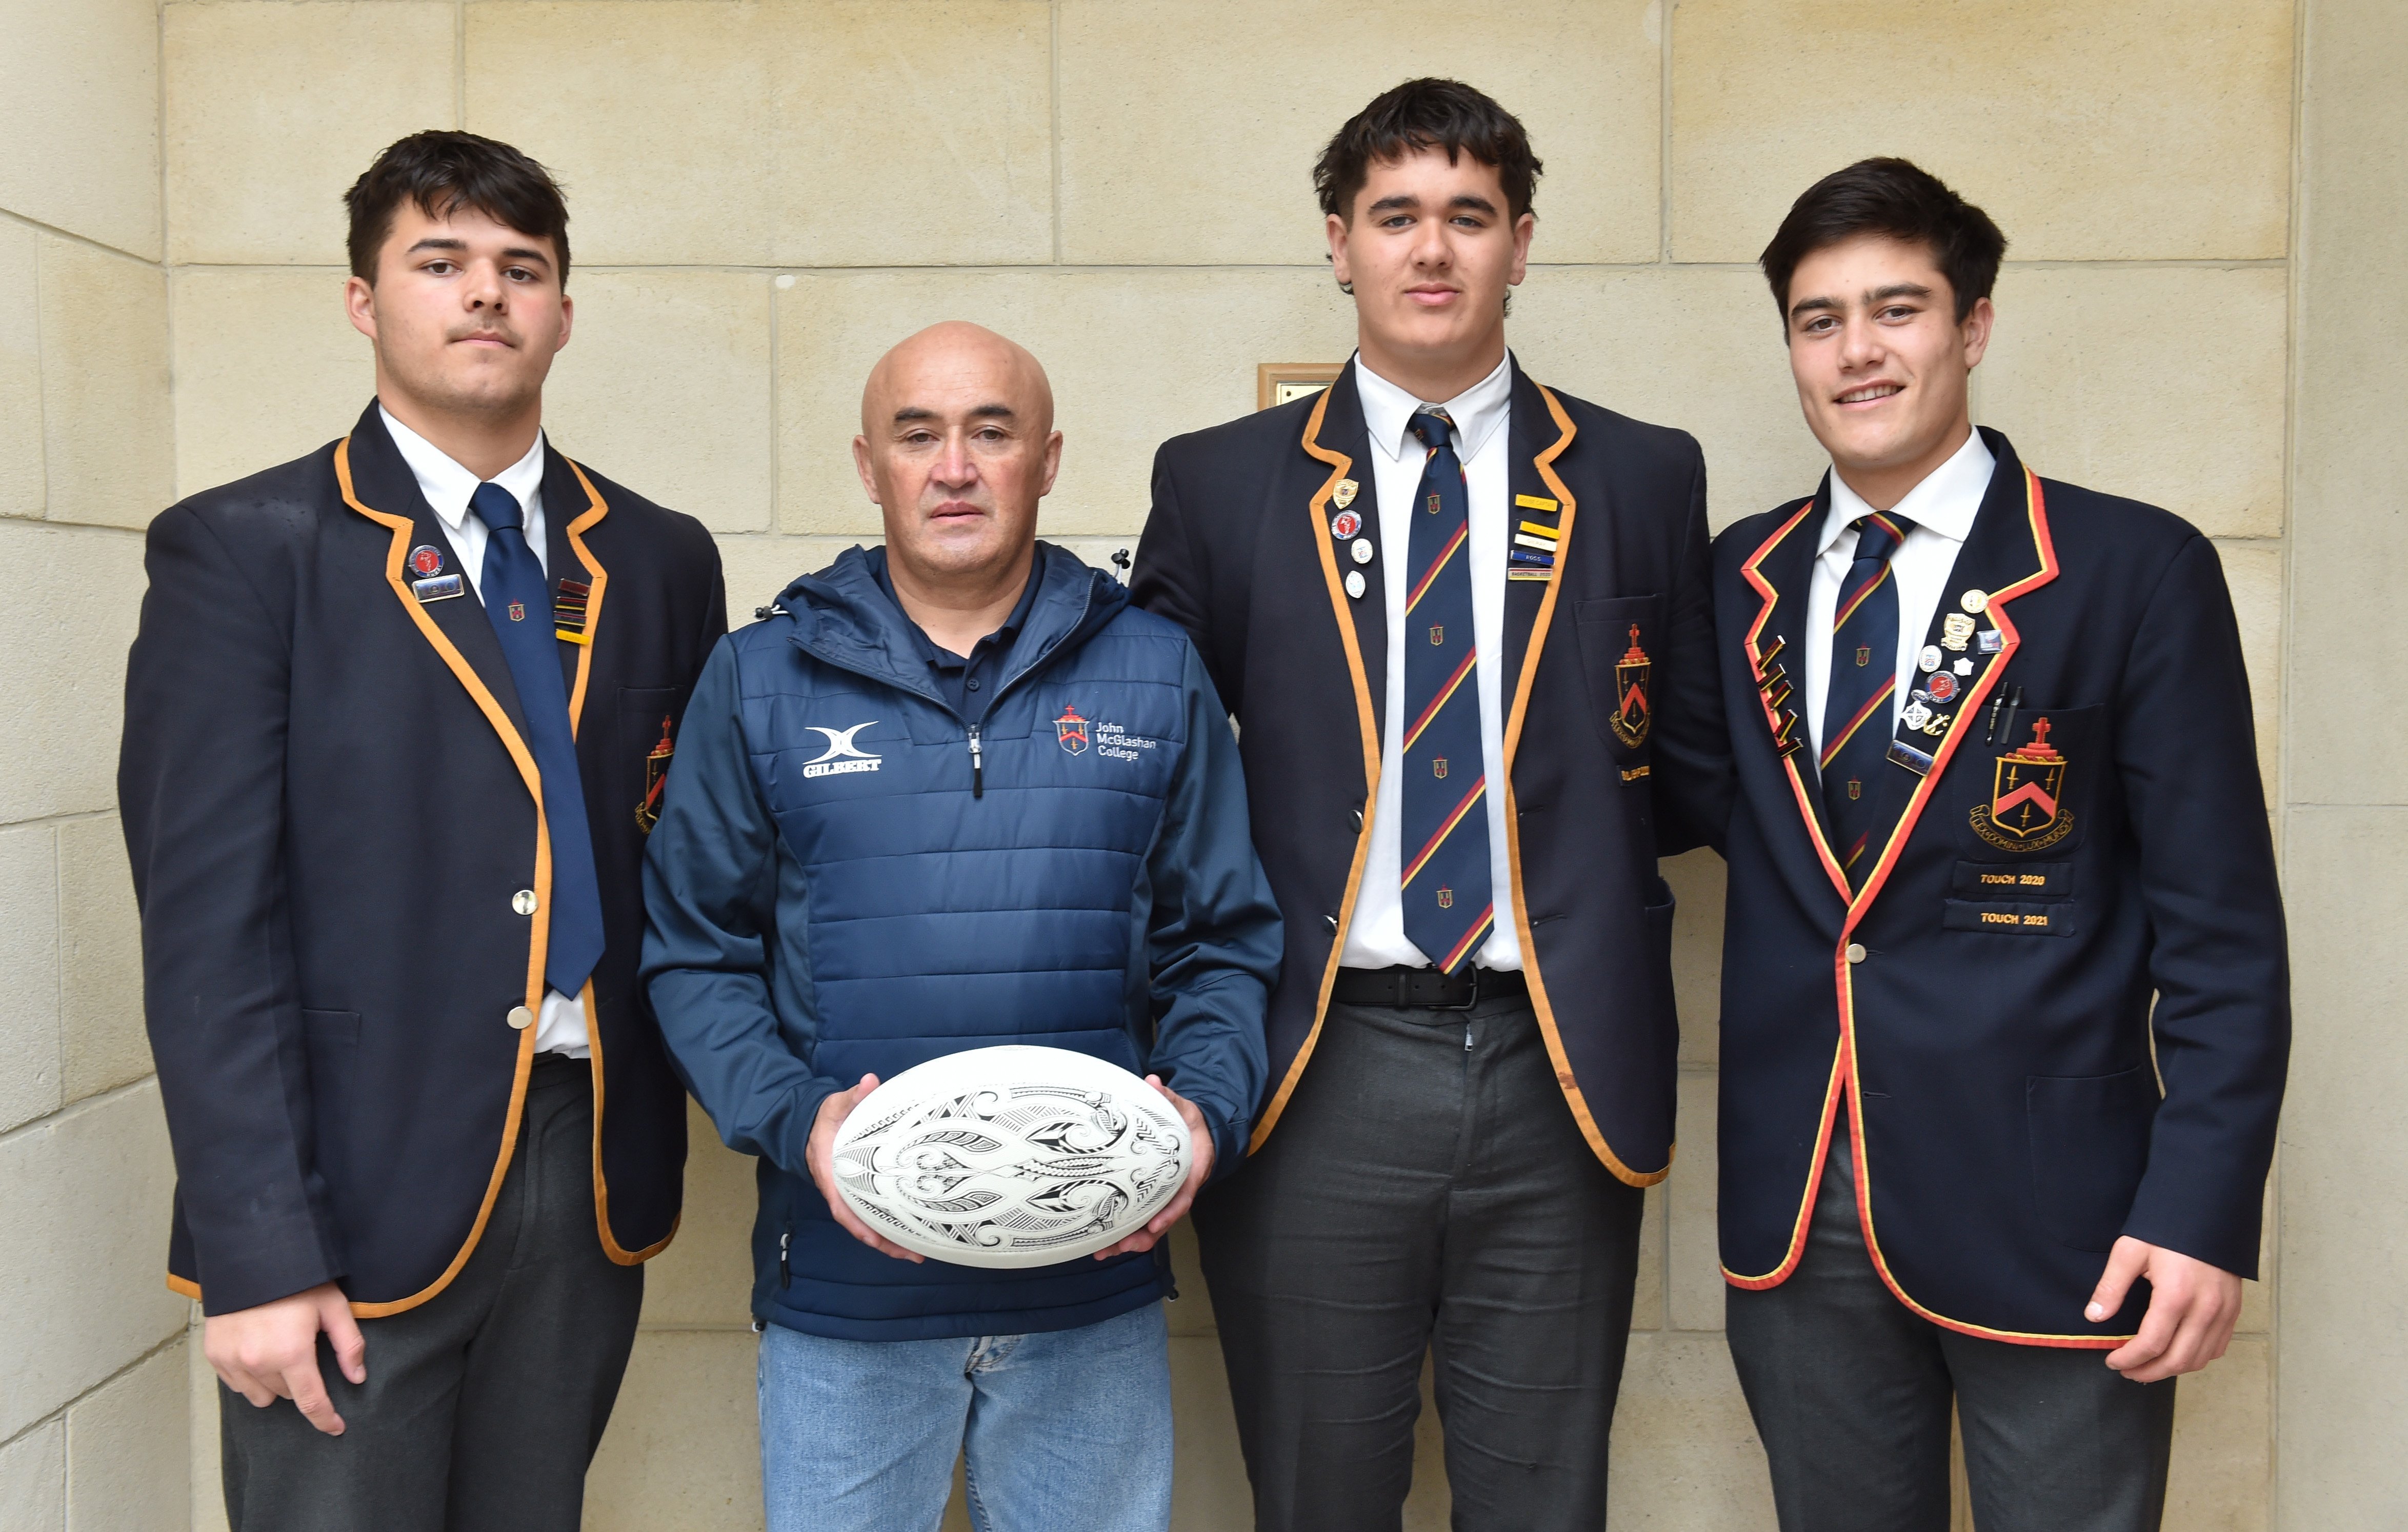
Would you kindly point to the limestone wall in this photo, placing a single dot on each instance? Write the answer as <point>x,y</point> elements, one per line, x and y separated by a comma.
<point>2203,306</point>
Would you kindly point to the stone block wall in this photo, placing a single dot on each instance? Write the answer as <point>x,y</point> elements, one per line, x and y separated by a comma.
<point>2201,308</point>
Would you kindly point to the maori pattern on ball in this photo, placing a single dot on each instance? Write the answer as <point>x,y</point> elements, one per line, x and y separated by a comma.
<point>1029,1172</point>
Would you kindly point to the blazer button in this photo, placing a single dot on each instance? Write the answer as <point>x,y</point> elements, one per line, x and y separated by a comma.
<point>1856,952</point>
<point>1358,817</point>
<point>520,1017</point>
<point>1332,918</point>
<point>524,901</point>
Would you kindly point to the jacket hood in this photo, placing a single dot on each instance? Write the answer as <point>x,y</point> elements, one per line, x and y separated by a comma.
<point>843,615</point>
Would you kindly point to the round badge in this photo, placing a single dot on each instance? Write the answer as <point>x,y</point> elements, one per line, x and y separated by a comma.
<point>1355,584</point>
<point>1345,524</point>
<point>1974,601</point>
<point>1964,668</point>
<point>425,558</point>
<point>1929,659</point>
<point>1942,686</point>
<point>1362,546</point>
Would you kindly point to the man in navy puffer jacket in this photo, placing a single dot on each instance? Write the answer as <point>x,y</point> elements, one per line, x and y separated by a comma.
<point>949,792</point>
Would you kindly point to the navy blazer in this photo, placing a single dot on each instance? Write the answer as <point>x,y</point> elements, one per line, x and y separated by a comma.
<point>1614,751</point>
<point>2089,832</point>
<point>330,807</point>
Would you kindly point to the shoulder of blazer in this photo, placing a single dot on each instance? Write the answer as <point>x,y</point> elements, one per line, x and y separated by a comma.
<point>2095,531</point>
<point>669,531</point>
<point>271,507</point>
<point>1248,444</point>
<point>1735,543</point>
<point>1627,441</point>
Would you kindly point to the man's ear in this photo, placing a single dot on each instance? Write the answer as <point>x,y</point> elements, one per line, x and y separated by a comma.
<point>1524,227</point>
<point>861,467</point>
<point>359,302</point>
<point>1976,330</point>
<point>1052,464</point>
<point>568,322</point>
<point>1335,228</point>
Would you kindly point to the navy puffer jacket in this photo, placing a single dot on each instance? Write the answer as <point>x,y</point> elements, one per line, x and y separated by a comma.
<point>841,884</point>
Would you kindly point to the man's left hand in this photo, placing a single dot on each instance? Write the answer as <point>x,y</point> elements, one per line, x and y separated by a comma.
<point>2192,1308</point>
<point>1200,1170</point>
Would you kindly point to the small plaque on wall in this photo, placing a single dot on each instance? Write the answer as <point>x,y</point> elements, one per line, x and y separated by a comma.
<point>1278,383</point>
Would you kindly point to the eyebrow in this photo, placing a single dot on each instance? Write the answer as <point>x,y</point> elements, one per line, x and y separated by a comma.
<point>1405,202</point>
<point>985,411</point>
<point>1879,294</point>
<point>510,252</point>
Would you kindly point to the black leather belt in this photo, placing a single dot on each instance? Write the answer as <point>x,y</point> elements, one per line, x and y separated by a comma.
<point>1424,988</point>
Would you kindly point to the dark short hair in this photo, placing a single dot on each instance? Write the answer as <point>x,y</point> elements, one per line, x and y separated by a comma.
<point>1426,114</point>
<point>1896,198</point>
<point>442,171</point>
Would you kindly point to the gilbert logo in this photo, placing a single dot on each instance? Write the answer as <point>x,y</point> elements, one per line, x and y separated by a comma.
<point>840,757</point>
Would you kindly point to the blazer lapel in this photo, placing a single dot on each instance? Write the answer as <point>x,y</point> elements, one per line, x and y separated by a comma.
<point>1781,570</point>
<point>1539,432</point>
<point>2007,554</point>
<point>571,510</point>
<point>1335,437</point>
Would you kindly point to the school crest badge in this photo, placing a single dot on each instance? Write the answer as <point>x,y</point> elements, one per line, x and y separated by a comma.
<point>1072,729</point>
<point>2027,810</point>
<point>1631,673</point>
<point>657,780</point>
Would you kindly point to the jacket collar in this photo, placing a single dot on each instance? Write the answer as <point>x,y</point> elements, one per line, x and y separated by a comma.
<point>843,616</point>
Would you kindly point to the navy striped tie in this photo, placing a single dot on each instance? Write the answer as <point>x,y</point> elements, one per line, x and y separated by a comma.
<point>1445,838</point>
<point>1859,707</point>
<point>518,600</point>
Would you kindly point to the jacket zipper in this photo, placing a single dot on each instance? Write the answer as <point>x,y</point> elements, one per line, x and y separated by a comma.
<point>978,765</point>
<point>786,1265</point>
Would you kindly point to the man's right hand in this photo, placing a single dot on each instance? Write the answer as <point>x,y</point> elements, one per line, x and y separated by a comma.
<point>270,1353</point>
<point>821,1153</point>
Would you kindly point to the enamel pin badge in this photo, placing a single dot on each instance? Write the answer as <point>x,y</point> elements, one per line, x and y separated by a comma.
<point>657,780</point>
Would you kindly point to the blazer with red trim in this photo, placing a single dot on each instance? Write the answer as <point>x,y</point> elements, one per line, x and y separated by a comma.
<point>1978,1015</point>
<point>1614,734</point>
<point>330,810</point>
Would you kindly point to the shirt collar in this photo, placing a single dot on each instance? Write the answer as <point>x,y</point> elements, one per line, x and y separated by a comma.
<point>1947,500</point>
<point>446,485</point>
<point>1000,639</point>
<point>1477,411</point>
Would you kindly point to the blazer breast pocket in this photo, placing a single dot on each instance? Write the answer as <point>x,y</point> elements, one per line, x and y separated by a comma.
<point>2029,791</point>
<point>1617,635</point>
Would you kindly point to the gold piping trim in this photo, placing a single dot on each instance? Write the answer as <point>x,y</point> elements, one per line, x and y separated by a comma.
<point>1539,1005</point>
<point>1339,464</point>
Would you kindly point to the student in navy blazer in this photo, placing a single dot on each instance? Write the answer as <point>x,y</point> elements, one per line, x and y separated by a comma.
<point>1449,1156</point>
<point>2005,1008</point>
<point>396,723</point>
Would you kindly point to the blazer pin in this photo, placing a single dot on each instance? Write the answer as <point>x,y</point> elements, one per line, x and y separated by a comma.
<point>1345,523</point>
<point>1355,585</point>
<point>438,588</point>
<point>425,558</point>
<point>1342,496</point>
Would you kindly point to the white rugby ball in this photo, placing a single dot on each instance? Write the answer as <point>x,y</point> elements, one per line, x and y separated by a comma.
<point>1011,1156</point>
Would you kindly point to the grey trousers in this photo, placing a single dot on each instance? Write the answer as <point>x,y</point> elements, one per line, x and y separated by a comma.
<point>484,1404</point>
<point>1850,1390</point>
<point>1426,1189</point>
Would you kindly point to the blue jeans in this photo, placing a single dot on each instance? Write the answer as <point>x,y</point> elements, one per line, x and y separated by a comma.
<point>1062,1431</point>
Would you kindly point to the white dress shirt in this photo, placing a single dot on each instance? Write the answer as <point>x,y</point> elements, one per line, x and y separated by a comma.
<point>1375,938</point>
<point>560,1025</point>
<point>1942,507</point>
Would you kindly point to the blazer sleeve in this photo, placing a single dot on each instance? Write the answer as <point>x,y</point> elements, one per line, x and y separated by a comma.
<point>1214,934</point>
<point>710,894</point>
<point>2188,756</point>
<point>200,784</point>
<point>1692,778</point>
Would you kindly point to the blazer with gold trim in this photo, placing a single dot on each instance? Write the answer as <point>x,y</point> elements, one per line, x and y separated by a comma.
<point>1977,1015</point>
<point>330,807</point>
<point>1614,751</point>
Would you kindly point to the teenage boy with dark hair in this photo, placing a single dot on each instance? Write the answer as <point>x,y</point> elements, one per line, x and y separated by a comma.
<point>395,724</point>
<point>1462,620</point>
<point>1997,785</point>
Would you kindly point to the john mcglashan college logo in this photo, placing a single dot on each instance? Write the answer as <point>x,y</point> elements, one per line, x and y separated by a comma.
<point>2027,810</point>
<point>1110,740</point>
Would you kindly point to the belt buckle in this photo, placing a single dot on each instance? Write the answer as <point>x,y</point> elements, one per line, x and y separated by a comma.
<point>1468,1004</point>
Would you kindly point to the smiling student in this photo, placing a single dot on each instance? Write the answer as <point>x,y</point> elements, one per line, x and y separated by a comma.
<point>396,722</point>
<point>1462,621</point>
<point>1997,783</point>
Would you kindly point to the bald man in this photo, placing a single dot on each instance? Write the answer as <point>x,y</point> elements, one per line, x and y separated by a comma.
<point>951,793</point>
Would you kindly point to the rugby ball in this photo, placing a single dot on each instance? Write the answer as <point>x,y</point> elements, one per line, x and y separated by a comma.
<point>1011,1156</point>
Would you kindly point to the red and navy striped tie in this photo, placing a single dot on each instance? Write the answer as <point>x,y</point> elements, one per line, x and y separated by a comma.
<point>1448,905</point>
<point>1859,707</point>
